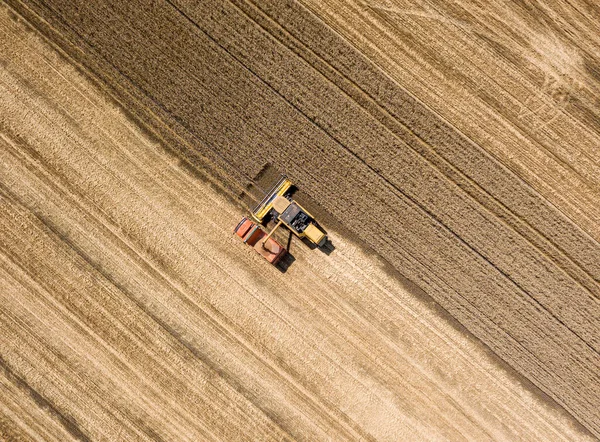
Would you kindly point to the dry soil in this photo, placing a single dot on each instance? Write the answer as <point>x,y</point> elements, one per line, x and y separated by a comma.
<point>452,201</point>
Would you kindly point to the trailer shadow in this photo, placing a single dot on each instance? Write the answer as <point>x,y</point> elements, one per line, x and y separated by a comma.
<point>285,262</point>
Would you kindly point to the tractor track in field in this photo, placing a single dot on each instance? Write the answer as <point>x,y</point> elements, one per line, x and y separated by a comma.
<point>234,86</point>
<point>130,312</point>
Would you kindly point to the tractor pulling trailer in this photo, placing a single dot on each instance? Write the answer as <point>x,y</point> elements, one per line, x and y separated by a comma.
<point>279,207</point>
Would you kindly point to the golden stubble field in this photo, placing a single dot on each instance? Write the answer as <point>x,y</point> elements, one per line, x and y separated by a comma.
<point>131,311</point>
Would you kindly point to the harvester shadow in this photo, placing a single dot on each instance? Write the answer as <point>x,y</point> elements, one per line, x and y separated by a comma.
<point>289,259</point>
<point>326,248</point>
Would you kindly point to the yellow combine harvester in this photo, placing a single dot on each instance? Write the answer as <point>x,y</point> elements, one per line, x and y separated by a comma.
<point>278,206</point>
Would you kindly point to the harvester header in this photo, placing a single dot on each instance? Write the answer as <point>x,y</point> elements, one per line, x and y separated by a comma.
<point>282,187</point>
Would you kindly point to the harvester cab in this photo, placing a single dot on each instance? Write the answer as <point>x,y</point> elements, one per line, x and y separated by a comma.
<point>297,220</point>
<point>279,207</point>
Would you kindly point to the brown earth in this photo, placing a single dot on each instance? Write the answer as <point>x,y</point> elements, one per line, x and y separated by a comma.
<point>529,73</point>
<point>129,311</point>
<point>429,185</point>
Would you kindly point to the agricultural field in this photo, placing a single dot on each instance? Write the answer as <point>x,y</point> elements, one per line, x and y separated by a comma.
<point>450,150</point>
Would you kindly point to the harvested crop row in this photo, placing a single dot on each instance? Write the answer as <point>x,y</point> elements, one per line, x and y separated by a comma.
<point>242,99</point>
<point>521,82</point>
<point>131,312</point>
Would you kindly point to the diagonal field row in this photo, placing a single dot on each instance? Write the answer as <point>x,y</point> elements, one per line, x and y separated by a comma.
<point>520,81</point>
<point>129,311</point>
<point>242,86</point>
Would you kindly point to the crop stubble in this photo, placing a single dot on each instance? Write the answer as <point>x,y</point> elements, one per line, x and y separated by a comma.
<point>528,74</point>
<point>241,85</point>
<point>129,311</point>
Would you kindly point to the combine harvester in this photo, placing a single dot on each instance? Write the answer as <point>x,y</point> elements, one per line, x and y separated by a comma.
<point>278,206</point>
